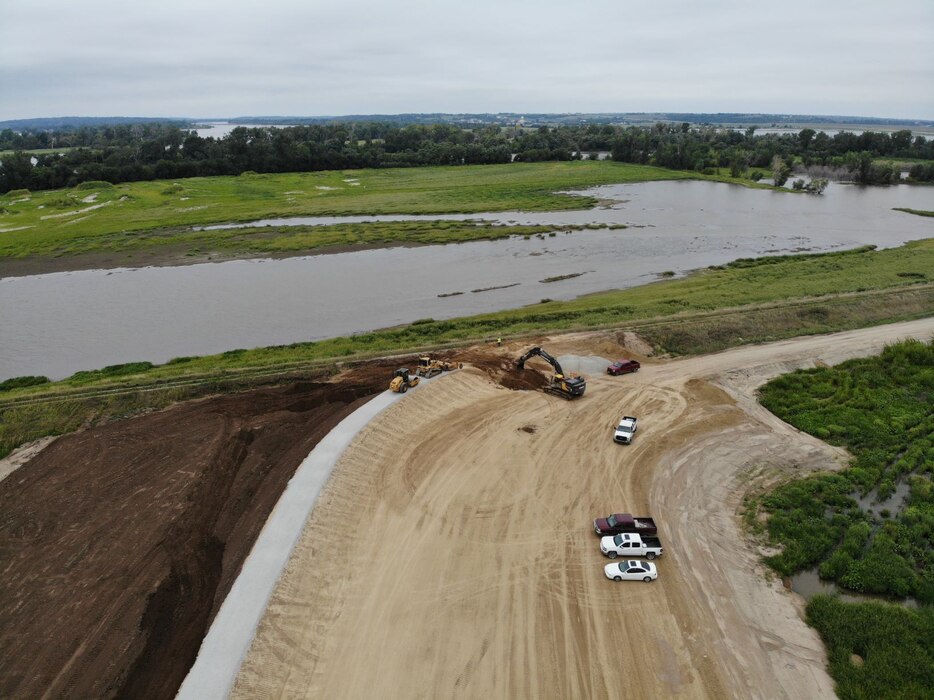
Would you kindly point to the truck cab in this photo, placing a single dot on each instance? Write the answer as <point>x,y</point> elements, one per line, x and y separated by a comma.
<point>625,430</point>
<point>632,545</point>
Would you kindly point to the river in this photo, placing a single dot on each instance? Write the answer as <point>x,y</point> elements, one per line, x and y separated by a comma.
<point>59,323</point>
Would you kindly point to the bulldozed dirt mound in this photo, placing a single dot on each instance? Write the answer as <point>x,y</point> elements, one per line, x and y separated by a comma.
<point>501,369</point>
<point>119,543</point>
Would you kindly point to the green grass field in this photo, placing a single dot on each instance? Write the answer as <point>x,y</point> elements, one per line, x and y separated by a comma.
<point>96,217</point>
<point>152,219</point>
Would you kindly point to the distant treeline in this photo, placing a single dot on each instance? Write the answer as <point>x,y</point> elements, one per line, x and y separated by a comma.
<point>134,152</point>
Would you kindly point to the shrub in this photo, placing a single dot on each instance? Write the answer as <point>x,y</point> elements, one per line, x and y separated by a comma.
<point>112,371</point>
<point>20,382</point>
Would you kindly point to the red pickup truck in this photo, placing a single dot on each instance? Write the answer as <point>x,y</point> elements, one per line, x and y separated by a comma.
<point>624,522</point>
<point>623,367</point>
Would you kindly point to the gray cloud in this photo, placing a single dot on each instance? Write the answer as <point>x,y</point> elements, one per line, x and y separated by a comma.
<point>176,58</point>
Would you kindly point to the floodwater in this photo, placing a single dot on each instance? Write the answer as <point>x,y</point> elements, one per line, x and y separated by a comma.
<point>894,504</point>
<point>59,323</point>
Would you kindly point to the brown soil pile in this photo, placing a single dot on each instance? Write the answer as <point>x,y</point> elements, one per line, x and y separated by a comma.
<point>119,543</point>
<point>502,370</point>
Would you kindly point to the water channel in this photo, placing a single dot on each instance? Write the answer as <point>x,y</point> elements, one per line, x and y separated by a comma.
<point>59,323</point>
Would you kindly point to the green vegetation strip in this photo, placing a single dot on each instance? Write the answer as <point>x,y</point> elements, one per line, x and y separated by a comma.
<point>916,212</point>
<point>98,216</point>
<point>280,240</point>
<point>747,301</point>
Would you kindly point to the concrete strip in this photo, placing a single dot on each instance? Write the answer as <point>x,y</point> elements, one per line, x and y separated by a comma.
<point>231,634</point>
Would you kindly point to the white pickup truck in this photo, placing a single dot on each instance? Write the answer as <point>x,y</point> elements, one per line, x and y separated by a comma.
<point>625,430</point>
<point>630,544</point>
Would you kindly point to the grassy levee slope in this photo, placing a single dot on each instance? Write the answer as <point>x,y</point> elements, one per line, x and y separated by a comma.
<point>98,216</point>
<point>743,302</point>
<point>880,409</point>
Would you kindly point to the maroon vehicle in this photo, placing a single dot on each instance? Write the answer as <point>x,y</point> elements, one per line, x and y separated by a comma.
<point>623,367</point>
<point>619,523</point>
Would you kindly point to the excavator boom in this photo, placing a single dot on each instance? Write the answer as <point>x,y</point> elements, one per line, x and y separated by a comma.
<point>520,363</point>
<point>566,387</point>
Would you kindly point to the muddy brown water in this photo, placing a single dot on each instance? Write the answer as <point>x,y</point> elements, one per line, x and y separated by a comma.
<point>64,322</point>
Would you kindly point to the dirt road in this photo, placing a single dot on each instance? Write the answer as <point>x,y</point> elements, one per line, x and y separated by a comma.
<point>452,554</point>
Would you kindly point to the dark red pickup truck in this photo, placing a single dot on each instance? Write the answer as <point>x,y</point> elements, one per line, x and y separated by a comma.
<point>623,367</point>
<point>624,522</point>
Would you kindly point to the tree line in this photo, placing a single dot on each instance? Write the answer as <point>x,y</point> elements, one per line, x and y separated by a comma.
<point>152,151</point>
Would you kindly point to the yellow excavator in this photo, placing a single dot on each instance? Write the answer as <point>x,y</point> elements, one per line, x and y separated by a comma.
<point>567,386</point>
<point>402,380</point>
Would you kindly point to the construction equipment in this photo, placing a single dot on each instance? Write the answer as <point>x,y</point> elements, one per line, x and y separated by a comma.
<point>567,386</point>
<point>402,380</point>
<point>429,367</point>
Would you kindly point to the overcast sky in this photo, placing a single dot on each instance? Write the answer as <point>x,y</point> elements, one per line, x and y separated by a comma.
<point>201,58</point>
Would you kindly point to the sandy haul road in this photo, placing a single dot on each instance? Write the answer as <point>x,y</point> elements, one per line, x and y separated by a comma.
<point>452,555</point>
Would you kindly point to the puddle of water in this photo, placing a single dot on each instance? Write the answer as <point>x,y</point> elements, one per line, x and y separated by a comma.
<point>809,584</point>
<point>895,503</point>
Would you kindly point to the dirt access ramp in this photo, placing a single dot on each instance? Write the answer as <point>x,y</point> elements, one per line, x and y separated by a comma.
<point>118,544</point>
<point>452,555</point>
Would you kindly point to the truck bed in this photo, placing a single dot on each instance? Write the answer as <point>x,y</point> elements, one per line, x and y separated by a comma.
<point>650,541</point>
<point>645,526</point>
